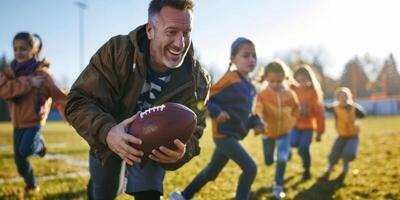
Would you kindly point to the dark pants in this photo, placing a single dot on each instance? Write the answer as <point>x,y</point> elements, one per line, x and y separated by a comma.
<point>345,148</point>
<point>105,180</point>
<point>302,140</point>
<point>226,149</point>
<point>283,151</point>
<point>26,143</point>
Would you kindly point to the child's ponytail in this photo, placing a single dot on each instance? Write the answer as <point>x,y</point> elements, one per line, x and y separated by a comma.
<point>38,43</point>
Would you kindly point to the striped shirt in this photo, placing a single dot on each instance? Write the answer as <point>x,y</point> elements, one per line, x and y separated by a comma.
<point>154,84</point>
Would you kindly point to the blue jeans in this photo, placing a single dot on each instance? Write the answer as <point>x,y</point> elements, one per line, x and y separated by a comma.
<point>105,180</point>
<point>302,140</point>
<point>345,148</point>
<point>26,143</point>
<point>150,177</point>
<point>226,149</point>
<point>283,146</point>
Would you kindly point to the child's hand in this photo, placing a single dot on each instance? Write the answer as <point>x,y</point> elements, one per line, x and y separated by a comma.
<point>318,138</point>
<point>222,117</point>
<point>258,130</point>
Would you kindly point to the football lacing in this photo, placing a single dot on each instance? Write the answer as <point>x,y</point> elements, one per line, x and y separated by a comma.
<point>153,109</point>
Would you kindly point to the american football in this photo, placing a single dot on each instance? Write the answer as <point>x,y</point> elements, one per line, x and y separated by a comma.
<point>161,125</point>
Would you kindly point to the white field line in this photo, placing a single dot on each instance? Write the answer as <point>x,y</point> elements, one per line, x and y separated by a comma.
<point>54,177</point>
<point>47,178</point>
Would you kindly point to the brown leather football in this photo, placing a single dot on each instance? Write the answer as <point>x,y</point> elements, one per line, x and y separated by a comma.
<point>161,125</point>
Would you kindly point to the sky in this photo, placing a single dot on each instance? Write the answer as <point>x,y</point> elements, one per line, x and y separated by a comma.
<point>342,29</point>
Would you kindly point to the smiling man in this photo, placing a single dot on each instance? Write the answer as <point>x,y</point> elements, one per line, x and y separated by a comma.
<point>151,65</point>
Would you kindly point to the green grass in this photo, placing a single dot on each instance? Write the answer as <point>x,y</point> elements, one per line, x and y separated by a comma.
<point>375,174</point>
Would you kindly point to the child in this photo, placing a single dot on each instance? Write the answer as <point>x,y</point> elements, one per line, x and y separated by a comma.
<point>29,91</point>
<point>277,106</point>
<point>311,115</point>
<point>346,113</point>
<point>230,107</point>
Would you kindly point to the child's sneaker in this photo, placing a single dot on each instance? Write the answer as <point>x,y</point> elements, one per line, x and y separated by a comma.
<point>42,152</point>
<point>32,189</point>
<point>176,196</point>
<point>278,192</point>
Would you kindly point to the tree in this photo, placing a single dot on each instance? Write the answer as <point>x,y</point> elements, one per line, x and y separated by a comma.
<point>4,115</point>
<point>355,78</point>
<point>3,63</point>
<point>315,57</point>
<point>388,80</point>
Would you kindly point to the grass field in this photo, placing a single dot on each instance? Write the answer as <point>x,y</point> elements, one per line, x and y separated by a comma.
<point>374,175</point>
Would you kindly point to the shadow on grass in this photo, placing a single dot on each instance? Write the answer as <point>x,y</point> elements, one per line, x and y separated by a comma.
<point>67,195</point>
<point>323,188</point>
<point>263,191</point>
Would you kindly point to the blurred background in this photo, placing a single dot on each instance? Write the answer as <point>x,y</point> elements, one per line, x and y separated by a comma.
<point>353,43</point>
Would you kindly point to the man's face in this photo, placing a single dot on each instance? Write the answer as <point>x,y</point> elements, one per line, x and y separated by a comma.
<point>169,35</point>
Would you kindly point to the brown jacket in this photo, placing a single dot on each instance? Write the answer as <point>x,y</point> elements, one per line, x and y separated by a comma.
<point>23,99</point>
<point>108,89</point>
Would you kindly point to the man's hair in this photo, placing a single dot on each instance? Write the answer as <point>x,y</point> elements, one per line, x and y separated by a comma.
<point>155,6</point>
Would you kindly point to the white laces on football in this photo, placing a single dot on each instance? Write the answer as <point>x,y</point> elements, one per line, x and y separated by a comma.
<point>153,109</point>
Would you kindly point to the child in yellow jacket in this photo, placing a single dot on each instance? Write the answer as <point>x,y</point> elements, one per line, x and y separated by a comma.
<point>346,114</point>
<point>277,106</point>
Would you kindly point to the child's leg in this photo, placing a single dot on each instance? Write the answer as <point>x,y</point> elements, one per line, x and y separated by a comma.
<point>26,143</point>
<point>349,151</point>
<point>283,146</point>
<point>209,173</point>
<point>268,146</point>
<point>304,148</point>
<point>295,137</point>
<point>336,151</point>
<point>234,150</point>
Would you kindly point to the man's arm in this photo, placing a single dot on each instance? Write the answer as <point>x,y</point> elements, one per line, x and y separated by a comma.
<point>92,100</point>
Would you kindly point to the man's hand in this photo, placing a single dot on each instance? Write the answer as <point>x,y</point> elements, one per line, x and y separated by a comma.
<point>165,155</point>
<point>118,141</point>
<point>222,117</point>
<point>318,137</point>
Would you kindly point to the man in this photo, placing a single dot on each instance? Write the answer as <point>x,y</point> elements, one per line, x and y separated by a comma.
<point>152,65</point>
